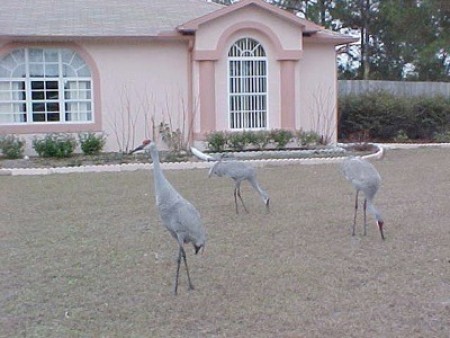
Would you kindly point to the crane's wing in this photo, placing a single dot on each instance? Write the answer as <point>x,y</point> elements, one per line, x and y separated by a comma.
<point>361,173</point>
<point>201,155</point>
<point>237,170</point>
<point>186,223</point>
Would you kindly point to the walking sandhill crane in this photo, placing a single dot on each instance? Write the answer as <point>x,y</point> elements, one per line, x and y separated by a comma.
<point>179,216</point>
<point>239,171</point>
<point>364,177</point>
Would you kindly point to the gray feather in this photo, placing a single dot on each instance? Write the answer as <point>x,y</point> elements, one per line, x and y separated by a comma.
<point>364,178</point>
<point>239,172</point>
<point>178,215</point>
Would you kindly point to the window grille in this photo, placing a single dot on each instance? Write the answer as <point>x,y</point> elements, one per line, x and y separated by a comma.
<point>247,85</point>
<point>44,85</point>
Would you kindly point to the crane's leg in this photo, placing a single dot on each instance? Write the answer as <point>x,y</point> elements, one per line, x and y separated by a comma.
<point>365,216</point>
<point>235,200</point>
<point>191,287</point>
<point>240,197</point>
<point>178,270</point>
<point>354,216</point>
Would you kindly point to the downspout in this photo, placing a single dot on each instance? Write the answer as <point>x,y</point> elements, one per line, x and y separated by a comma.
<point>336,104</point>
<point>190,70</point>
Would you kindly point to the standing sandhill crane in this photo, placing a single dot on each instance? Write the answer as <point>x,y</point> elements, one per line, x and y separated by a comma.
<point>239,171</point>
<point>179,216</point>
<point>364,177</point>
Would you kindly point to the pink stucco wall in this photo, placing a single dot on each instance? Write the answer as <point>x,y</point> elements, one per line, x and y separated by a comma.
<point>143,84</point>
<point>302,75</point>
<point>317,90</point>
<point>135,83</point>
<point>282,42</point>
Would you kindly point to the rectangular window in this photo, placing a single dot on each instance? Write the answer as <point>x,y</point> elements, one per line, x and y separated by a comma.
<point>248,95</point>
<point>45,106</point>
<point>77,96</point>
<point>12,102</point>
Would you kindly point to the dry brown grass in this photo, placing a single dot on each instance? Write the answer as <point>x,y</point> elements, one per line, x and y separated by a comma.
<point>85,255</point>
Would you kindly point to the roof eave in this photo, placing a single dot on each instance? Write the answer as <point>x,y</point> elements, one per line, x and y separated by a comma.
<point>58,38</point>
<point>327,38</point>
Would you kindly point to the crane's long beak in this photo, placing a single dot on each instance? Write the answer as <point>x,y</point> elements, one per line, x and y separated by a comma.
<point>380,226</point>
<point>141,147</point>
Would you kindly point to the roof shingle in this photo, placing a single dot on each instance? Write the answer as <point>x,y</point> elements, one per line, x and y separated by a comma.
<point>98,18</point>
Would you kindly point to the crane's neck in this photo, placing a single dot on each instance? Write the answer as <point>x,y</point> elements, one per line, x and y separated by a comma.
<point>374,211</point>
<point>264,196</point>
<point>166,196</point>
<point>158,175</point>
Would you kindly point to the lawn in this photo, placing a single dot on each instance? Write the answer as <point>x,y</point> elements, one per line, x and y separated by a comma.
<point>86,255</point>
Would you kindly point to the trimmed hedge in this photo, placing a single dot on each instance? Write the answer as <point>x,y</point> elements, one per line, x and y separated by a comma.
<point>55,145</point>
<point>91,144</point>
<point>12,146</point>
<point>380,116</point>
<point>262,139</point>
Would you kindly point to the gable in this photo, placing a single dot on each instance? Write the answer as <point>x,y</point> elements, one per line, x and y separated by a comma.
<point>261,16</point>
<point>221,32</point>
<point>305,25</point>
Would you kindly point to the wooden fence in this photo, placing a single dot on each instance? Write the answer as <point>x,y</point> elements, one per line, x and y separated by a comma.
<point>400,88</point>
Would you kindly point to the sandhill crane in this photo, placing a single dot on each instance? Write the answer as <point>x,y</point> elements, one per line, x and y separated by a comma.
<point>364,177</point>
<point>239,171</point>
<point>179,216</point>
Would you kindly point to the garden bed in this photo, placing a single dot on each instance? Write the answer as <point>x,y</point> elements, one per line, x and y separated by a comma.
<point>77,160</point>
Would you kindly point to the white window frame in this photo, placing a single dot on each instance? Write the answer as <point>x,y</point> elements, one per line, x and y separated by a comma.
<point>247,75</point>
<point>26,74</point>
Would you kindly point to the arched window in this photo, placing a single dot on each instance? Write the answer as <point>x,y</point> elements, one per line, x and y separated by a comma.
<point>247,89</point>
<point>45,85</point>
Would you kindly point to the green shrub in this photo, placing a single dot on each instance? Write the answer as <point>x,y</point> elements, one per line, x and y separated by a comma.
<point>443,137</point>
<point>237,140</point>
<point>430,115</point>
<point>260,138</point>
<point>12,146</point>
<point>402,137</point>
<point>305,138</point>
<point>91,143</point>
<point>55,145</point>
<point>216,140</point>
<point>249,137</point>
<point>378,115</point>
<point>381,116</point>
<point>281,137</point>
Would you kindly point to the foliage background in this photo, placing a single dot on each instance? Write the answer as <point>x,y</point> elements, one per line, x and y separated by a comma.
<point>399,40</point>
<point>380,116</point>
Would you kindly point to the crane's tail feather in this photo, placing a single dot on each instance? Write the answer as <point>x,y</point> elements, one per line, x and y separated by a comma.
<point>201,155</point>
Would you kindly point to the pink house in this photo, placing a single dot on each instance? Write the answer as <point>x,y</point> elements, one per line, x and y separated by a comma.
<point>123,67</point>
